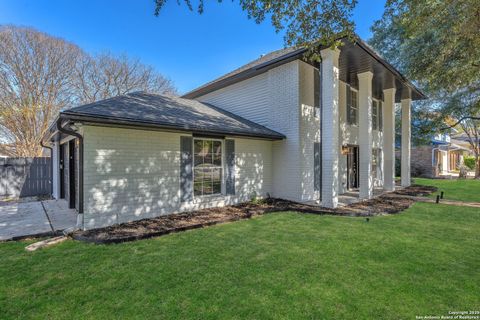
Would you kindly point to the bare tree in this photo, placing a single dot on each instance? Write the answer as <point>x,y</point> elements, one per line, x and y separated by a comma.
<point>105,75</point>
<point>40,75</point>
<point>35,83</point>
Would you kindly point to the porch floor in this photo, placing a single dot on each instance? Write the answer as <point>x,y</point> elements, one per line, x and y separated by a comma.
<point>353,196</point>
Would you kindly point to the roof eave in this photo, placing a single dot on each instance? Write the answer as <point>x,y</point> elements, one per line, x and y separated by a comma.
<point>249,73</point>
<point>99,120</point>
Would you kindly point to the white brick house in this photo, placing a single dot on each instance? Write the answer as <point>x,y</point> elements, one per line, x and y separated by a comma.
<point>279,126</point>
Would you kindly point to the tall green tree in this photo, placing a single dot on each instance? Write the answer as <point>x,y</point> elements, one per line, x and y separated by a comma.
<point>437,44</point>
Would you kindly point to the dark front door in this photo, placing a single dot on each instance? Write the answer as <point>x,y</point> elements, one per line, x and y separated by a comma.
<point>71,173</point>
<point>62,170</point>
<point>352,165</point>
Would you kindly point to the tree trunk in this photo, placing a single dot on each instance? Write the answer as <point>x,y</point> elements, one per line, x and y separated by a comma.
<point>477,166</point>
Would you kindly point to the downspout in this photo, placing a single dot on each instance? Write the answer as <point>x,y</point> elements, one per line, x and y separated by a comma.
<point>51,166</point>
<point>70,132</point>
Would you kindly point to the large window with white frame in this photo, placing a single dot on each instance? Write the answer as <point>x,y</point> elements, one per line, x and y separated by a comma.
<point>376,163</point>
<point>377,123</point>
<point>352,107</point>
<point>207,167</point>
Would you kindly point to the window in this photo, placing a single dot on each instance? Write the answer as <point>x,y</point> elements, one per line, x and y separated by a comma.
<point>377,122</point>
<point>207,167</point>
<point>376,163</point>
<point>352,107</point>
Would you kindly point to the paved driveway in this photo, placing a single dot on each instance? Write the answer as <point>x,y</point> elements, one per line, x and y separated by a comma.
<point>22,219</point>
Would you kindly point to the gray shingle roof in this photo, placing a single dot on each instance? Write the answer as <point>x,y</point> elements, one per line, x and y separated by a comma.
<point>281,56</point>
<point>169,112</point>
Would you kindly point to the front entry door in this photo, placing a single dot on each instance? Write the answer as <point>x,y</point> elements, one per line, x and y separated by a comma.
<point>352,165</point>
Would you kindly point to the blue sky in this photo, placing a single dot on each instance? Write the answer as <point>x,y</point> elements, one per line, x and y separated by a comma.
<point>190,49</point>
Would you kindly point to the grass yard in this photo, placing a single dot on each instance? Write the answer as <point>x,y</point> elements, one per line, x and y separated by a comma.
<point>463,190</point>
<point>425,261</point>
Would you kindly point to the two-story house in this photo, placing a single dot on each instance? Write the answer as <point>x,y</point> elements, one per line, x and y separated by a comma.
<point>279,126</point>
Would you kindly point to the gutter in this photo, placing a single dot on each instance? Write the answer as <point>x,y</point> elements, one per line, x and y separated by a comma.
<point>70,132</point>
<point>130,122</point>
<point>265,66</point>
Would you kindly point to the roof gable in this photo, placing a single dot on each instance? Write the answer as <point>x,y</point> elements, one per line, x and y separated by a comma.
<point>355,57</point>
<point>169,112</point>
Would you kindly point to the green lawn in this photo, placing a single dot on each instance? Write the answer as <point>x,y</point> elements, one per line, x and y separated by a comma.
<point>464,190</point>
<point>425,261</point>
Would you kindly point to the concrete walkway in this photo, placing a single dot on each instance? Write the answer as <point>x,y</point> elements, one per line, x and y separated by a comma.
<point>23,219</point>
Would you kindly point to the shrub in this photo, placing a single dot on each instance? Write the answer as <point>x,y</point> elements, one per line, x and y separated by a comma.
<point>398,167</point>
<point>469,162</point>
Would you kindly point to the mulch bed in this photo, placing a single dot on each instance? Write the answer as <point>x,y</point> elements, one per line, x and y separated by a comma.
<point>162,225</point>
<point>416,191</point>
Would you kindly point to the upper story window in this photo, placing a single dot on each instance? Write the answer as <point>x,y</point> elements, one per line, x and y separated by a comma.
<point>207,167</point>
<point>352,106</point>
<point>377,123</point>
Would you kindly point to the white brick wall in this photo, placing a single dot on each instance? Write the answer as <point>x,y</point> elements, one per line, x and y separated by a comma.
<point>134,174</point>
<point>285,113</point>
<point>309,131</point>
<point>405,105</point>
<point>282,99</point>
<point>330,126</point>
<point>347,135</point>
<point>249,99</point>
<point>271,99</point>
<point>389,138</point>
<point>365,133</point>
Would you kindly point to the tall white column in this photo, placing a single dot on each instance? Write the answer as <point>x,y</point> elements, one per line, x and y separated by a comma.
<point>406,104</point>
<point>365,133</point>
<point>389,139</point>
<point>330,126</point>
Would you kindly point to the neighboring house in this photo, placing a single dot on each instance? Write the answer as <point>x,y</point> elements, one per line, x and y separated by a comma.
<point>279,126</point>
<point>441,157</point>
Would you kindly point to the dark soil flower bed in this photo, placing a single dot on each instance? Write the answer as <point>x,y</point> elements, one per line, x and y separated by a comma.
<point>416,190</point>
<point>162,225</point>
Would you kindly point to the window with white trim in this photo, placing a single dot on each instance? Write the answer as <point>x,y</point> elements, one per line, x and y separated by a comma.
<point>377,123</point>
<point>207,167</point>
<point>376,163</point>
<point>352,108</point>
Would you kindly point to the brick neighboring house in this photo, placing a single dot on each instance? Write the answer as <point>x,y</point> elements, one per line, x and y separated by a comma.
<point>280,125</point>
<point>441,157</point>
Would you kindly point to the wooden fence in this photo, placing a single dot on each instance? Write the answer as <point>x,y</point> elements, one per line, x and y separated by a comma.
<point>25,177</point>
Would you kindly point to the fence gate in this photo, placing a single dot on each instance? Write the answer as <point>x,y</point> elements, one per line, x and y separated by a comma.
<point>25,177</point>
